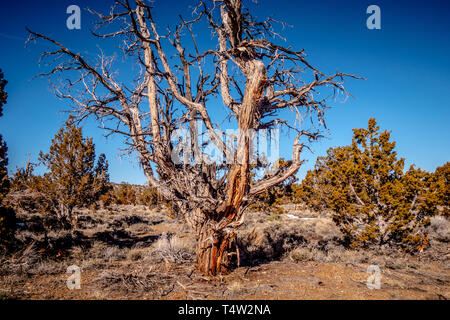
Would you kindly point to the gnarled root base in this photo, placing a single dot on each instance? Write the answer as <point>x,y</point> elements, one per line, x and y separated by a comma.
<point>216,249</point>
<point>215,252</point>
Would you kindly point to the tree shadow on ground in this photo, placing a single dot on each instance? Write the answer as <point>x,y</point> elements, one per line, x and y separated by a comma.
<point>54,241</point>
<point>271,249</point>
<point>123,239</point>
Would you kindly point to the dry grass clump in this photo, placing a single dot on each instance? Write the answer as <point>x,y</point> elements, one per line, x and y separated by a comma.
<point>112,254</point>
<point>266,242</point>
<point>324,229</point>
<point>101,251</point>
<point>99,255</point>
<point>336,254</point>
<point>19,262</point>
<point>440,228</point>
<point>136,254</point>
<point>395,263</point>
<point>171,248</point>
<point>26,236</point>
<point>28,262</point>
<point>301,255</point>
<point>139,228</point>
<point>236,289</point>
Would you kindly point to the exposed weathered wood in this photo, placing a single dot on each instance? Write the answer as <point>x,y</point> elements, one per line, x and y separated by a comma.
<point>266,79</point>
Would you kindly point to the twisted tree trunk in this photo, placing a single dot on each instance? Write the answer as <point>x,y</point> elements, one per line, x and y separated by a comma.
<point>216,241</point>
<point>211,198</point>
<point>214,251</point>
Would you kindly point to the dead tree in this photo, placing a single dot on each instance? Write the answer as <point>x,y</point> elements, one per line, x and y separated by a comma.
<point>255,78</point>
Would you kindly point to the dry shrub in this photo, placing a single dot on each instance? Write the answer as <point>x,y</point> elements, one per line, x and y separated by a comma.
<point>338,254</point>
<point>139,228</point>
<point>324,229</point>
<point>440,228</point>
<point>28,262</point>
<point>19,262</point>
<point>136,254</point>
<point>300,255</point>
<point>171,248</point>
<point>106,253</point>
<point>236,289</point>
<point>28,201</point>
<point>267,242</point>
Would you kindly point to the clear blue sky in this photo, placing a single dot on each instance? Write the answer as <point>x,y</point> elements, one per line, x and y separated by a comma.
<point>406,65</point>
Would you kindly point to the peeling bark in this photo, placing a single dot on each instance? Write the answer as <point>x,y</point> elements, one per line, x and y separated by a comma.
<point>176,97</point>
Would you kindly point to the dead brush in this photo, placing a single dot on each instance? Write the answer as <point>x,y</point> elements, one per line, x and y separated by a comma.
<point>136,281</point>
<point>440,228</point>
<point>172,249</point>
<point>20,262</point>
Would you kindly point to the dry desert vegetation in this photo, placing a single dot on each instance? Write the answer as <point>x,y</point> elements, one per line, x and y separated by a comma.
<point>222,226</point>
<point>130,252</point>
